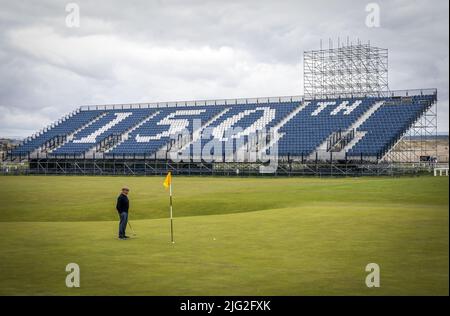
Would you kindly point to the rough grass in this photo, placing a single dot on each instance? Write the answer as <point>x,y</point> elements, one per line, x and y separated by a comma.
<point>233,236</point>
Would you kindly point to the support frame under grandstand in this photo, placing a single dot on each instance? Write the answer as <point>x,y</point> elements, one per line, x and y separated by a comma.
<point>147,167</point>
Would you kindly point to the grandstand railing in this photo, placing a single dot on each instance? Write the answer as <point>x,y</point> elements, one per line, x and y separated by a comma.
<point>261,100</point>
<point>380,94</point>
<point>264,100</point>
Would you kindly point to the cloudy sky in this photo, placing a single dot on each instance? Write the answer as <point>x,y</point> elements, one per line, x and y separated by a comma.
<point>145,51</point>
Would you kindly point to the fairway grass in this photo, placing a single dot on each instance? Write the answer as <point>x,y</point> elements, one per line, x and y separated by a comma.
<point>234,236</point>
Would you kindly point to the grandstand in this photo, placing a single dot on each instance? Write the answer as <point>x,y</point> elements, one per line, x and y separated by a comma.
<point>306,130</point>
<point>313,134</point>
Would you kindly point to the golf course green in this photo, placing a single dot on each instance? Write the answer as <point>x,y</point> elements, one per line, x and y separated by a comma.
<point>233,236</point>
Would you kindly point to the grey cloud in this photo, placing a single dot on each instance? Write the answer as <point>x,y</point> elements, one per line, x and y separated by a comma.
<point>131,51</point>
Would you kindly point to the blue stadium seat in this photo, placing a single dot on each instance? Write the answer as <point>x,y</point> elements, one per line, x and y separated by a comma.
<point>65,127</point>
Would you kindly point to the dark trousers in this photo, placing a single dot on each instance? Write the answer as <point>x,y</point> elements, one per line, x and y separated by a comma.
<point>123,223</point>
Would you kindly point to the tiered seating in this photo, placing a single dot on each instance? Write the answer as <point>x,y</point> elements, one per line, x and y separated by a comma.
<point>320,118</point>
<point>114,122</point>
<point>239,123</point>
<point>302,127</point>
<point>386,126</point>
<point>157,132</point>
<point>68,126</point>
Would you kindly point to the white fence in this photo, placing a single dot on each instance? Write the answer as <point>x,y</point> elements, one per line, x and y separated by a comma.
<point>441,171</point>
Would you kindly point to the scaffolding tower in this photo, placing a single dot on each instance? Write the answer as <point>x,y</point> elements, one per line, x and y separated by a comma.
<point>346,71</point>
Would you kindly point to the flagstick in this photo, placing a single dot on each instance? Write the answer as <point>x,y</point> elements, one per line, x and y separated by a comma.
<point>171,215</point>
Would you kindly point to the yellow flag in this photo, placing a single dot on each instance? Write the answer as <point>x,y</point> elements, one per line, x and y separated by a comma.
<point>168,180</point>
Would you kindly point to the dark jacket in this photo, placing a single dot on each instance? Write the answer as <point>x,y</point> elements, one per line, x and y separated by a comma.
<point>122,203</point>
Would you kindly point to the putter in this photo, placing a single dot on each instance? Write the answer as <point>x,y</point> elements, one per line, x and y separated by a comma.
<point>132,230</point>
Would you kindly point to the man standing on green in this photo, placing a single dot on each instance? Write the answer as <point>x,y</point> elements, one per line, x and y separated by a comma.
<point>122,207</point>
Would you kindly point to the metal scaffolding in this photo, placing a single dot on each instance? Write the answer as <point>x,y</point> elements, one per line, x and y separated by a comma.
<point>346,71</point>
